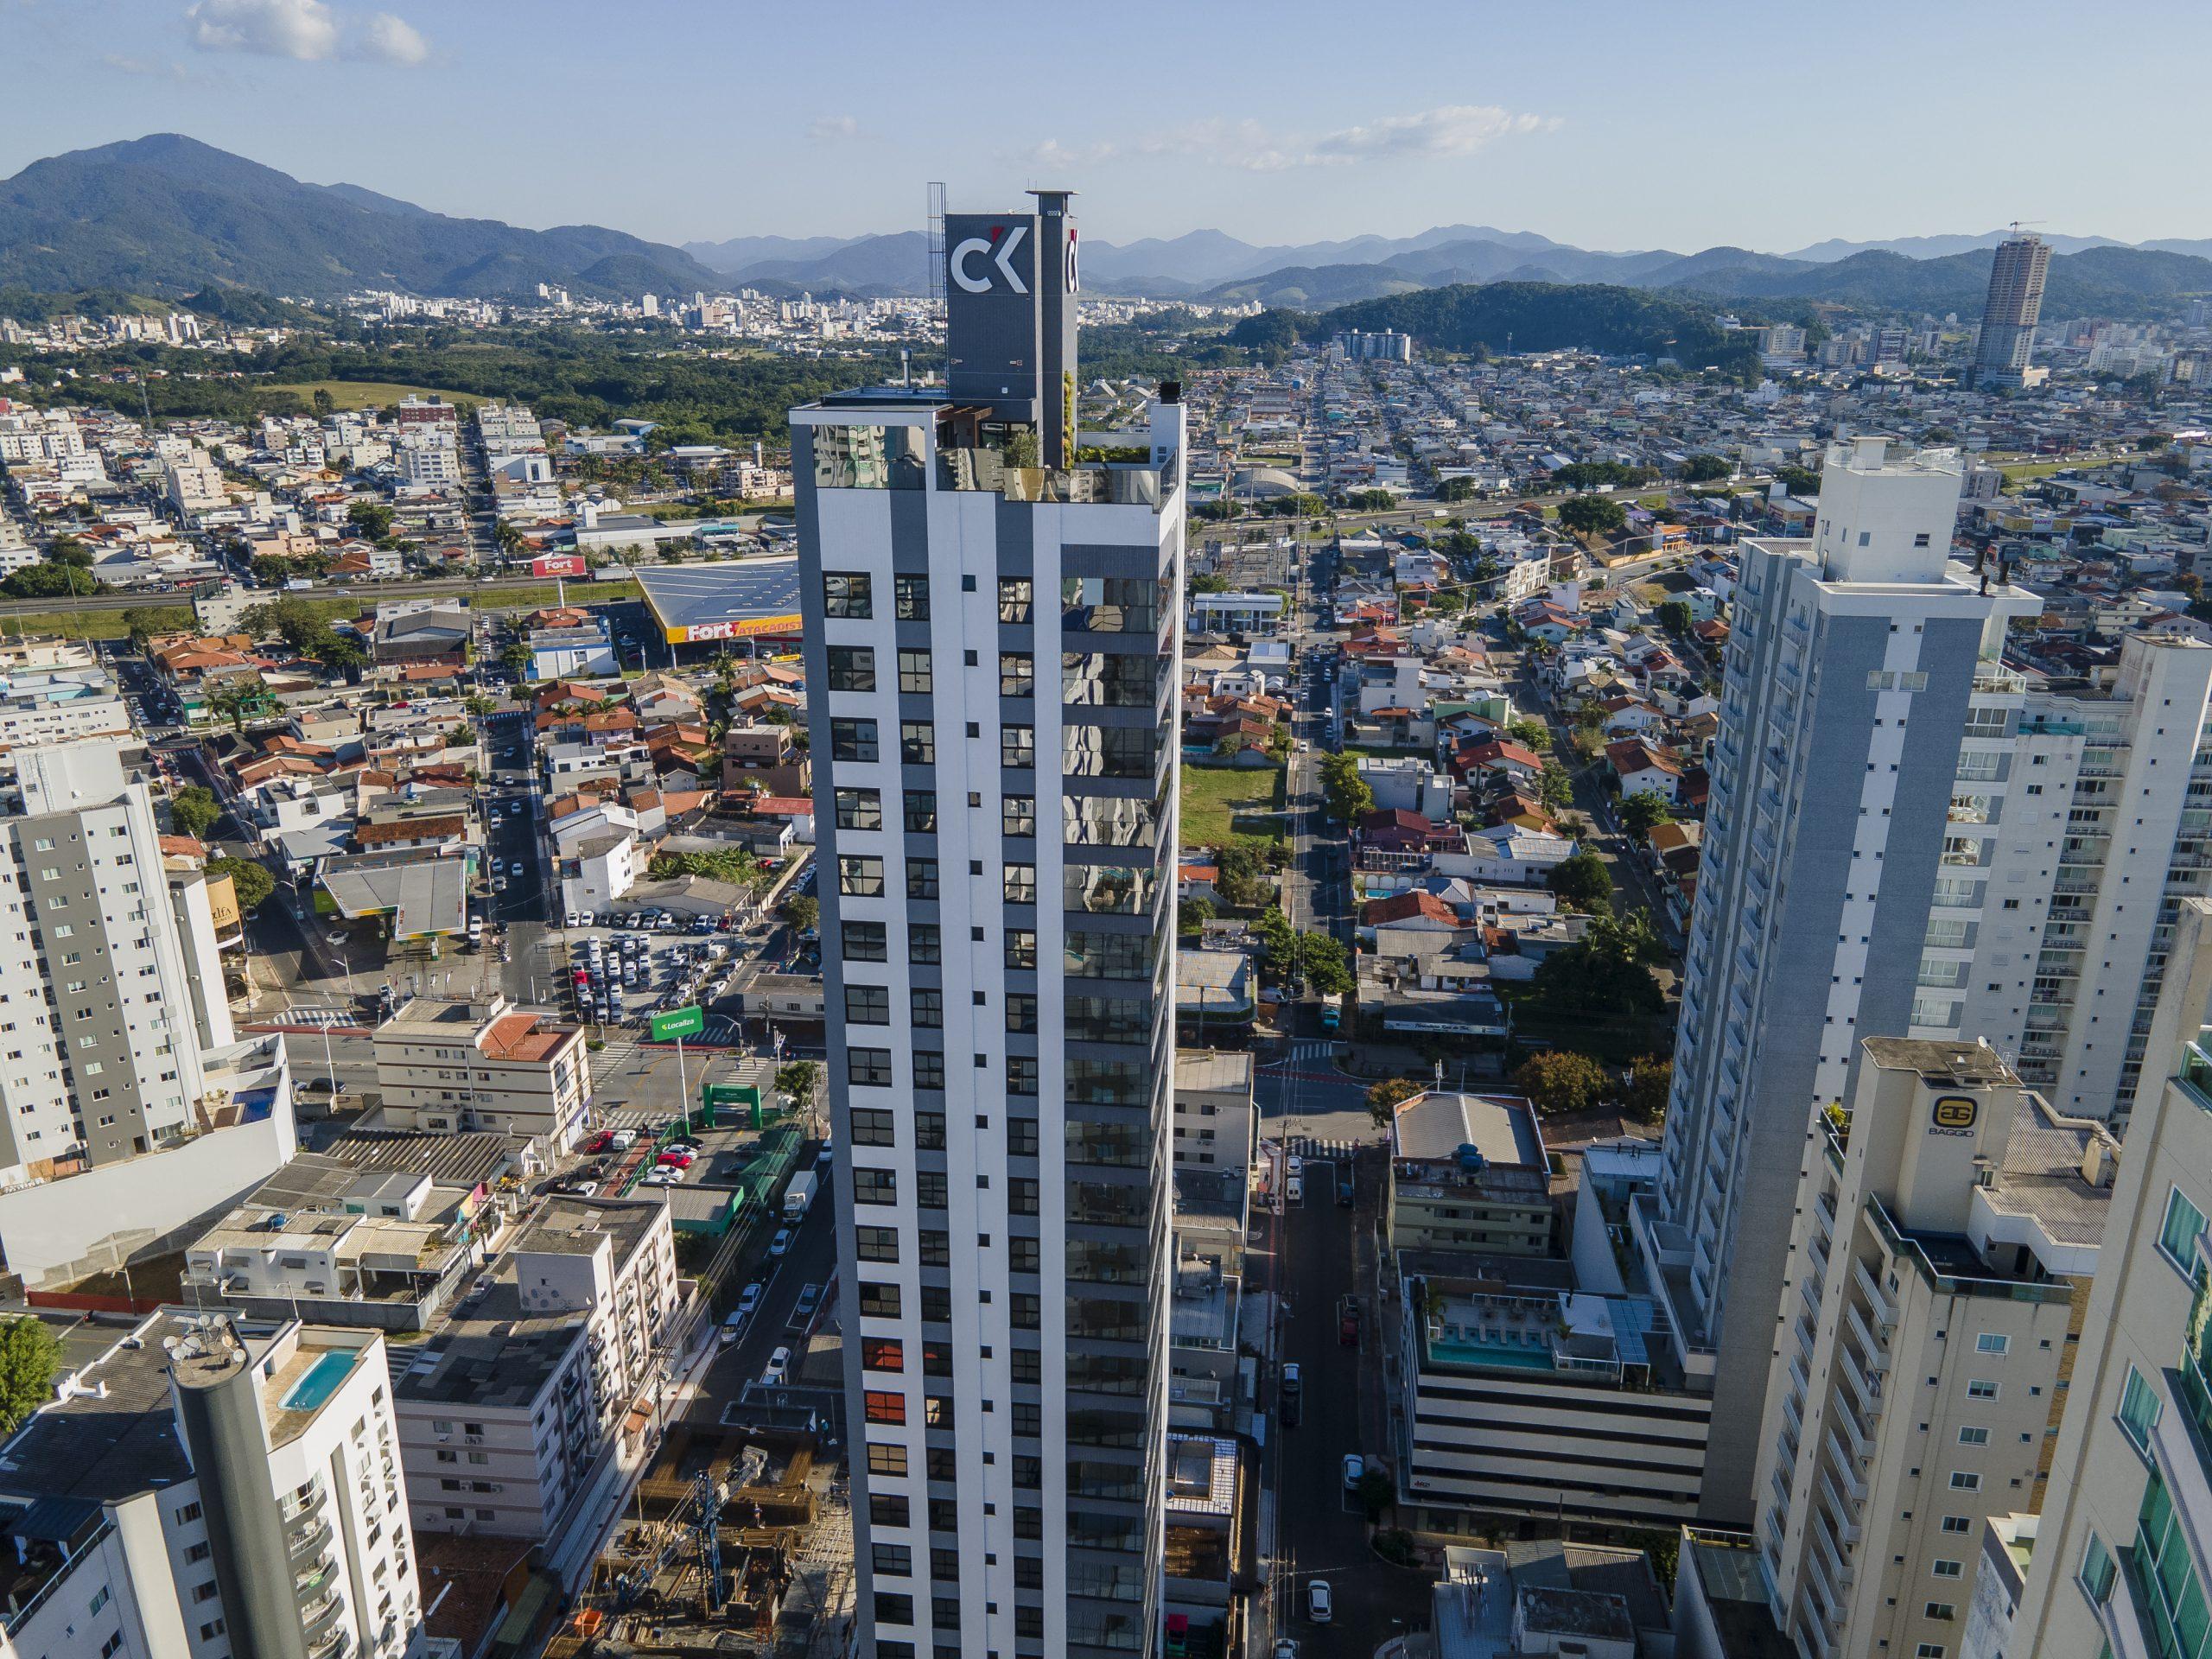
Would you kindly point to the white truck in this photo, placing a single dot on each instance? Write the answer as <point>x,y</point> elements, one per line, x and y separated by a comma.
<point>799,1197</point>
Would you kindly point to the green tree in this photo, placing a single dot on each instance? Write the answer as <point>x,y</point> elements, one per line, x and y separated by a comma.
<point>1348,794</point>
<point>1641,813</point>
<point>1530,732</point>
<point>142,625</point>
<point>29,1356</point>
<point>342,654</point>
<point>1649,1078</point>
<point>802,911</point>
<point>1278,945</point>
<point>1799,480</point>
<point>1554,787</point>
<point>798,1078</point>
<point>1208,583</point>
<point>194,811</point>
<point>369,518</point>
<point>50,582</point>
<point>1606,972</point>
<point>67,550</point>
<point>323,402</point>
<point>1382,1098</point>
<point>234,700</point>
<point>1239,877</point>
<point>1321,958</point>
<point>251,882</point>
<point>1674,616</point>
<point>1370,501</point>
<point>1457,489</point>
<point>505,536</point>
<point>1558,1082</point>
<point>1582,882</point>
<point>516,657</point>
<point>1593,515</point>
<point>1191,916</point>
<point>1705,469</point>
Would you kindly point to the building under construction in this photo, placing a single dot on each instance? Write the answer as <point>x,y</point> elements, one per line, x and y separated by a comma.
<point>702,1560</point>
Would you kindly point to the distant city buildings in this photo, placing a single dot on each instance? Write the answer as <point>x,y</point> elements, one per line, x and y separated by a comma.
<point>1384,346</point>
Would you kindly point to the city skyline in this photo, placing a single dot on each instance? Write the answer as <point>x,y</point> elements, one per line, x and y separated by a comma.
<point>1488,121</point>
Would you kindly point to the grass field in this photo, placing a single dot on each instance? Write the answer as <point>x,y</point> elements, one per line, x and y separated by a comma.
<point>1212,796</point>
<point>364,394</point>
<point>114,624</point>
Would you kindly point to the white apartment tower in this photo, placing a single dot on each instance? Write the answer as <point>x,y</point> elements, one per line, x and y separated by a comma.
<point>2122,1560</point>
<point>1852,659</point>
<point>2081,820</point>
<point>991,631</point>
<point>98,987</point>
<point>1947,1235</point>
<point>213,1488</point>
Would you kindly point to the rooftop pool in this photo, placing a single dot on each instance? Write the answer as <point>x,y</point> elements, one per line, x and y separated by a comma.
<point>320,1380</point>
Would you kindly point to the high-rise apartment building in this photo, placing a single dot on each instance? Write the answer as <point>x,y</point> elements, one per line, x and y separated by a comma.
<point>213,1488</point>
<point>991,629</point>
<point>1947,1236</point>
<point>2009,315</point>
<point>1852,660</point>
<point>112,980</point>
<point>2122,1557</point>
<point>2081,818</point>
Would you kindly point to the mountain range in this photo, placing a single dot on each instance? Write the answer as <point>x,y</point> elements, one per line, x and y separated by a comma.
<point>1944,273</point>
<point>167,215</point>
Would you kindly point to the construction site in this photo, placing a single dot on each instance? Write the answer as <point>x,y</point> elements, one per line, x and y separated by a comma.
<point>736,1543</point>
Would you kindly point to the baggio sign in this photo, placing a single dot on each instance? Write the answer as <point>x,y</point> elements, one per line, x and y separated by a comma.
<point>977,264</point>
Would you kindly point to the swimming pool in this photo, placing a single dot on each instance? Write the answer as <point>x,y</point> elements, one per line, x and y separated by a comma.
<point>1492,1353</point>
<point>321,1380</point>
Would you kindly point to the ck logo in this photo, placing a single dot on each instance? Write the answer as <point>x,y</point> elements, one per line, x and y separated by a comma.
<point>1000,246</point>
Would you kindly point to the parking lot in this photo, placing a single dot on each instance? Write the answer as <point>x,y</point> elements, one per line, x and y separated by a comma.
<point>624,975</point>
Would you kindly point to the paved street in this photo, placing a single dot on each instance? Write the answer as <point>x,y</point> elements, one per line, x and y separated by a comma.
<point>1326,1253</point>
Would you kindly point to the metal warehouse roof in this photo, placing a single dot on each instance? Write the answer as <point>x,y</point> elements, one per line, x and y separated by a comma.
<point>732,601</point>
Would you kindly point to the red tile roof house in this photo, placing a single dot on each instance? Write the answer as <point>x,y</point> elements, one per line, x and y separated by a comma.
<point>1417,911</point>
<point>1394,830</point>
<point>1643,770</point>
<point>1500,757</point>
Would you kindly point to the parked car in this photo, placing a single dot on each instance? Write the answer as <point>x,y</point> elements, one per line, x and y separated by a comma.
<point>1355,1470</point>
<point>621,1139</point>
<point>749,1298</point>
<point>778,1369</point>
<point>732,1326</point>
<point>809,1298</point>
<point>677,1157</point>
<point>1318,1607</point>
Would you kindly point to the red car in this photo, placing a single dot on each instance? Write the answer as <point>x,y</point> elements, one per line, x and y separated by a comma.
<point>676,1158</point>
<point>605,1143</point>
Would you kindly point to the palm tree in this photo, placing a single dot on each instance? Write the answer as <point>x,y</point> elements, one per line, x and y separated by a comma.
<point>233,700</point>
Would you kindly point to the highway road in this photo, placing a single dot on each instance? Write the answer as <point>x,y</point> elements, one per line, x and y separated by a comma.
<point>487,588</point>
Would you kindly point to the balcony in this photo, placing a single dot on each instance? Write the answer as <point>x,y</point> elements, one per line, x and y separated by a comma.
<point>1846,1469</point>
<point>307,1542</point>
<point>1885,1314</point>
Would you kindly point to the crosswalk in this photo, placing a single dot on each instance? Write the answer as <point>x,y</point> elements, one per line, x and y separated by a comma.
<point>322,1018</point>
<point>1311,1146</point>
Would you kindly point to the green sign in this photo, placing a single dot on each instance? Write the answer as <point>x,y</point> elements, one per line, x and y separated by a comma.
<point>684,1022</point>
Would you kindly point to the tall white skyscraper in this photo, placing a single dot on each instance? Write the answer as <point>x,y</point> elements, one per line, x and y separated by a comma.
<point>2010,312</point>
<point>991,631</point>
<point>1852,659</point>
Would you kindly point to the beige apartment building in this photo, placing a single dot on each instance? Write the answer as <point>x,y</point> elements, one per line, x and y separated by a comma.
<point>1946,1234</point>
<point>455,1066</point>
<point>539,1391</point>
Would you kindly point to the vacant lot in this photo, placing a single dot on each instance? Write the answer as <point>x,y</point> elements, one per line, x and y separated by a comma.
<point>369,394</point>
<point>1214,795</point>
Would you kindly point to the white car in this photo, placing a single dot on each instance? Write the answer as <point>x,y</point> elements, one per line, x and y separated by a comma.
<point>573,920</point>
<point>733,1327</point>
<point>781,1242</point>
<point>777,1370</point>
<point>1318,1606</point>
<point>1355,1470</point>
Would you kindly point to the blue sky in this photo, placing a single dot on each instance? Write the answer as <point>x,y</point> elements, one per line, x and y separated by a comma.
<point>1608,125</point>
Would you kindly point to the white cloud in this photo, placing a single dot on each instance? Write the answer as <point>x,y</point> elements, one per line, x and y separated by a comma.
<point>152,68</point>
<point>1451,129</point>
<point>307,31</point>
<point>831,129</point>
<point>387,38</point>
